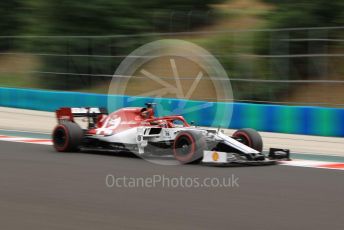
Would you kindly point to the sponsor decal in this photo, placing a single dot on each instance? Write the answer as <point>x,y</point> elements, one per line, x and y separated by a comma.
<point>85,110</point>
<point>215,156</point>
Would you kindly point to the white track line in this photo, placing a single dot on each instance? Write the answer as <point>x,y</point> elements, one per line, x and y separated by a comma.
<point>297,163</point>
<point>26,140</point>
<point>314,164</point>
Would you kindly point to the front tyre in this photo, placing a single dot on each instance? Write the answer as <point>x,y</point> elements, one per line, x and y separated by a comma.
<point>188,147</point>
<point>249,137</point>
<point>67,137</point>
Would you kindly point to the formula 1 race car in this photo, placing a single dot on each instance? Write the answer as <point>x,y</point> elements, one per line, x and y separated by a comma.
<point>137,130</point>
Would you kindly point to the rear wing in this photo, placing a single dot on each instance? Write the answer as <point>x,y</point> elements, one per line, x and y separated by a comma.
<point>67,113</point>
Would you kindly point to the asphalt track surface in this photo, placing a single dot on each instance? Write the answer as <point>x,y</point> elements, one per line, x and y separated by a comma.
<point>42,189</point>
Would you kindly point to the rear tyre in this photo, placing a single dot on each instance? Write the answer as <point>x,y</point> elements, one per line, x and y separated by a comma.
<point>249,137</point>
<point>188,147</point>
<point>67,137</point>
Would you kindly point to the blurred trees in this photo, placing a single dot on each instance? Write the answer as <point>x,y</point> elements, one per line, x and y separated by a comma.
<point>111,17</point>
<point>93,18</point>
<point>103,17</point>
<point>10,20</point>
<point>302,13</point>
<point>299,14</point>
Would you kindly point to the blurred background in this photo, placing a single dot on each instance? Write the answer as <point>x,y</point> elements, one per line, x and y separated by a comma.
<point>274,51</point>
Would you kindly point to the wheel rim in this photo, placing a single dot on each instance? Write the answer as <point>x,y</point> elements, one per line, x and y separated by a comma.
<point>243,138</point>
<point>183,146</point>
<point>60,137</point>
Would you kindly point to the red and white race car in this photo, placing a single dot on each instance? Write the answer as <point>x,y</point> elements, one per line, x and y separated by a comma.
<point>137,130</point>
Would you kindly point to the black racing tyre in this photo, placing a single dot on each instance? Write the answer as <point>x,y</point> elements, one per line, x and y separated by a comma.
<point>67,137</point>
<point>188,147</point>
<point>249,137</point>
